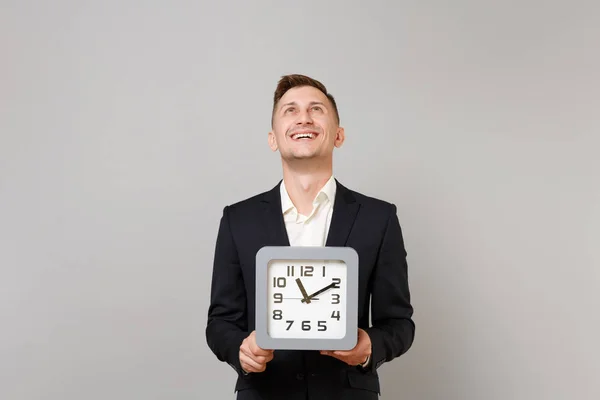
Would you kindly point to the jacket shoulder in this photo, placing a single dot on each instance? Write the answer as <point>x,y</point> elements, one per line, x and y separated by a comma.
<point>250,204</point>
<point>373,203</point>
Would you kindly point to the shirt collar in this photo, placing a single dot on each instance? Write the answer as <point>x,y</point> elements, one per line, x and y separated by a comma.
<point>327,192</point>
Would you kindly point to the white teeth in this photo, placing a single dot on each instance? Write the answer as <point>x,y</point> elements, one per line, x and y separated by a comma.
<point>304,135</point>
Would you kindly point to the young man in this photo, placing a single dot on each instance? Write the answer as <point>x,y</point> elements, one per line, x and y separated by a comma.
<point>309,207</point>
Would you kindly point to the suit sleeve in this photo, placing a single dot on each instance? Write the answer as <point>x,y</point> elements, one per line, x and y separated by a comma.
<point>227,314</point>
<point>393,330</point>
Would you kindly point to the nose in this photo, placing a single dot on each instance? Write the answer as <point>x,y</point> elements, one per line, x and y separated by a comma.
<point>304,117</point>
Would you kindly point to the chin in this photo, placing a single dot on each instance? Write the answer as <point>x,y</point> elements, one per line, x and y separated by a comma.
<point>303,156</point>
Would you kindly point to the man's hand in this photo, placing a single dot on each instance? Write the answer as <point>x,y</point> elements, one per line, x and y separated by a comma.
<point>358,355</point>
<point>252,357</point>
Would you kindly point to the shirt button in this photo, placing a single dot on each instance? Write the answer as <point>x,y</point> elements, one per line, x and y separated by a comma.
<point>300,376</point>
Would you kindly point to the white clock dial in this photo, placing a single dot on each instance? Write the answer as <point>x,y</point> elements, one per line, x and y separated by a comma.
<point>306,299</point>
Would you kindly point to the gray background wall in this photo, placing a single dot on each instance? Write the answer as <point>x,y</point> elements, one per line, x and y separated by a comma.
<point>126,126</point>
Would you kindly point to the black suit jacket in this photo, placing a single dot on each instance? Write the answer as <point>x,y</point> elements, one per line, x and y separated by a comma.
<point>368,225</point>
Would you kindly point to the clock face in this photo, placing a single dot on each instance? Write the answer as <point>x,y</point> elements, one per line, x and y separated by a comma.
<point>306,299</point>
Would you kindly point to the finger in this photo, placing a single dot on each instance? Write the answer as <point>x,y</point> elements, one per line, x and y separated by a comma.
<point>352,357</point>
<point>329,353</point>
<point>260,352</point>
<point>250,356</point>
<point>262,359</point>
<point>258,358</point>
<point>344,356</point>
<point>254,348</point>
<point>332,354</point>
<point>343,353</point>
<point>246,350</point>
<point>251,365</point>
<point>248,368</point>
<point>250,348</point>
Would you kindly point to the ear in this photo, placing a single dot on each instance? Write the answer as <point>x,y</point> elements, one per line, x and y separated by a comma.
<point>272,141</point>
<point>340,136</point>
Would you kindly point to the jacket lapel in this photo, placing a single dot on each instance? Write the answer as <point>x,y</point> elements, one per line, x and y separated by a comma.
<point>345,210</point>
<point>275,225</point>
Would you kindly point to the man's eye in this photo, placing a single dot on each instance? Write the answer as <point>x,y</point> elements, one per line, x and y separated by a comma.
<point>291,109</point>
<point>317,108</point>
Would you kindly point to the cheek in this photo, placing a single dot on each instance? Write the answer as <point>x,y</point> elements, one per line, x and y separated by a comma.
<point>279,135</point>
<point>332,133</point>
<point>281,130</point>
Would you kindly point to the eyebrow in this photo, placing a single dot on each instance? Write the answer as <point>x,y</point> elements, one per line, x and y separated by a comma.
<point>312,103</point>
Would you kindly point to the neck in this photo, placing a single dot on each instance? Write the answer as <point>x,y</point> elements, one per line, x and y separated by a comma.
<point>304,180</point>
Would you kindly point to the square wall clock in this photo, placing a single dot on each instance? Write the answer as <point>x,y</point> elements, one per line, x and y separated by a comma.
<point>306,298</point>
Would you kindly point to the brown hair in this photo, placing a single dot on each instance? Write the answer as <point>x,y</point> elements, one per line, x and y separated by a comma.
<point>288,82</point>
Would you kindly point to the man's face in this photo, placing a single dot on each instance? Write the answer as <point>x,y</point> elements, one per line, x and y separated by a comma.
<point>305,125</point>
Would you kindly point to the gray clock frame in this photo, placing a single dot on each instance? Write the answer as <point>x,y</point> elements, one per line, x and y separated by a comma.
<point>268,253</point>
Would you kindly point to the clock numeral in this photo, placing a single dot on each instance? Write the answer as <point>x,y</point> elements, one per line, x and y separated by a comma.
<point>335,298</point>
<point>290,323</point>
<point>278,298</point>
<point>306,325</point>
<point>305,270</point>
<point>322,325</point>
<point>279,282</point>
<point>336,315</point>
<point>323,271</point>
<point>277,314</point>
<point>337,282</point>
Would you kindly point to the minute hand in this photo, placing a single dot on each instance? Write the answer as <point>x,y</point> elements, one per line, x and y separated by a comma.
<point>333,285</point>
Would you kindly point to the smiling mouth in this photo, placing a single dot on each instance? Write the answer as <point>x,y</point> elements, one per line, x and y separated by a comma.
<point>304,136</point>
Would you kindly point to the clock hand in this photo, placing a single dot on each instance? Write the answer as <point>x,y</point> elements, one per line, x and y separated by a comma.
<point>304,295</point>
<point>333,285</point>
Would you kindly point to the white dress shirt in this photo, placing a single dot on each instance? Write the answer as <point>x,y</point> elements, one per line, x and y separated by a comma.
<point>312,229</point>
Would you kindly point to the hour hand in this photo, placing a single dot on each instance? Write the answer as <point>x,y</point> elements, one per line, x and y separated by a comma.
<point>304,294</point>
<point>315,294</point>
